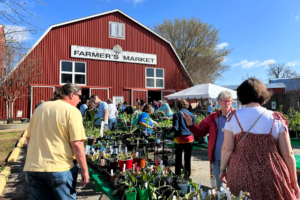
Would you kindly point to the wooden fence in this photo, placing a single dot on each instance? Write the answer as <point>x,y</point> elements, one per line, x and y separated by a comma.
<point>286,100</point>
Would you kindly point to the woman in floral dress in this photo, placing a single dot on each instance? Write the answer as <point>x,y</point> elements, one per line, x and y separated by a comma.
<point>257,149</point>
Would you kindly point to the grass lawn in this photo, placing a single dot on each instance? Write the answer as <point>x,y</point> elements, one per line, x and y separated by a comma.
<point>7,141</point>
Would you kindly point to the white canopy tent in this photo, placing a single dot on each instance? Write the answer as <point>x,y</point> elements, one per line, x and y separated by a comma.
<point>204,91</point>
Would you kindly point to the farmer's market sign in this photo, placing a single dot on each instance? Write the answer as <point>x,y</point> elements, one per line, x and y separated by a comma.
<point>116,54</point>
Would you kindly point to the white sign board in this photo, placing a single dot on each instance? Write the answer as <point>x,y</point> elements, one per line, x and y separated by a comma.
<point>19,113</point>
<point>112,55</point>
<point>273,105</point>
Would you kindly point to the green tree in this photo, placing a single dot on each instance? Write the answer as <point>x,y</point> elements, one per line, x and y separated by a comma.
<point>196,44</point>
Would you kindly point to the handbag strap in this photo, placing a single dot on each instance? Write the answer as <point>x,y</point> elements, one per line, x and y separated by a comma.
<point>250,129</point>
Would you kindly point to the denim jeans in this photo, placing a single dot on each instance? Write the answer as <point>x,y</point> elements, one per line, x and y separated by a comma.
<point>52,185</point>
<point>216,172</point>
<point>112,123</point>
<point>179,148</point>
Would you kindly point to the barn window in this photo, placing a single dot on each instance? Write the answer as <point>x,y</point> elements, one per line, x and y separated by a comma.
<point>155,78</point>
<point>116,30</point>
<point>72,72</point>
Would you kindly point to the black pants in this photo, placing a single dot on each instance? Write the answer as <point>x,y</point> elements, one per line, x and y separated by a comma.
<point>179,148</point>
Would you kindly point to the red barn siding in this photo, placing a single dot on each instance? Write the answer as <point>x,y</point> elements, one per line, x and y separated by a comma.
<point>102,93</point>
<point>138,95</point>
<point>94,32</point>
<point>41,93</point>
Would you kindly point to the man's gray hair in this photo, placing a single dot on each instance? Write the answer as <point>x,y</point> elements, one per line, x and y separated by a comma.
<point>224,94</point>
<point>66,90</point>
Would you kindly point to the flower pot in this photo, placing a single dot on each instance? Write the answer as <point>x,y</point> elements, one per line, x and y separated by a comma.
<point>128,164</point>
<point>141,162</point>
<point>130,194</point>
<point>90,141</point>
<point>114,164</point>
<point>183,187</point>
<point>143,194</point>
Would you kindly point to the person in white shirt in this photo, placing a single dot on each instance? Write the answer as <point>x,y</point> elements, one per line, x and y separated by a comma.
<point>257,156</point>
<point>112,115</point>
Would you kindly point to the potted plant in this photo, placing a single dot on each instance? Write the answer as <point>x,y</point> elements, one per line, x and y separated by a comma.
<point>182,180</point>
<point>125,159</point>
<point>140,159</point>
<point>129,183</point>
<point>143,181</point>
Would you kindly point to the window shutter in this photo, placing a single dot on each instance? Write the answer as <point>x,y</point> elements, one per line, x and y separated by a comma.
<point>113,30</point>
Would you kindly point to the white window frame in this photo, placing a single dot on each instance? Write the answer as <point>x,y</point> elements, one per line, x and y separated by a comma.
<point>114,97</point>
<point>73,72</point>
<point>117,37</point>
<point>163,78</point>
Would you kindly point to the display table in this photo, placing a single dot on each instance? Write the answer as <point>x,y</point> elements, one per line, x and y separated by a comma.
<point>101,185</point>
<point>295,142</point>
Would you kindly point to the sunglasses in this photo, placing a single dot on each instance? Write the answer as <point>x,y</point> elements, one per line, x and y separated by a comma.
<point>78,95</point>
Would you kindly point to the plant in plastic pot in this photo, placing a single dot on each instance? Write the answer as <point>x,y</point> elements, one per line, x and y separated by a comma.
<point>182,180</point>
<point>125,160</point>
<point>143,180</point>
<point>130,183</point>
<point>140,159</point>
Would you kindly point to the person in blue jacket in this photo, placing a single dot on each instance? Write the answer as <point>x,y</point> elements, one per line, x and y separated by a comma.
<point>145,119</point>
<point>183,138</point>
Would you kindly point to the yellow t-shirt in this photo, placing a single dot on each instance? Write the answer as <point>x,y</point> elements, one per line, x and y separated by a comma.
<point>52,128</point>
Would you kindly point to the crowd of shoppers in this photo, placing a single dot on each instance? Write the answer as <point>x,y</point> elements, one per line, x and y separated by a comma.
<point>248,149</point>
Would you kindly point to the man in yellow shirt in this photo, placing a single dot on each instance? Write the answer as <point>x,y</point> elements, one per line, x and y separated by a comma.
<point>55,138</point>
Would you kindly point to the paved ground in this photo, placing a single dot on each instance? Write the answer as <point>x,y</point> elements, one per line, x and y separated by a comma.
<point>16,188</point>
<point>13,127</point>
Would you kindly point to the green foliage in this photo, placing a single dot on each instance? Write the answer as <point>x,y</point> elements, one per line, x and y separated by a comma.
<point>157,114</point>
<point>123,156</point>
<point>293,117</point>
<point>165,124</point>
<point>199,118</point>
<point>127,119</point>
<point>184,176</point>
<point>90,129</point>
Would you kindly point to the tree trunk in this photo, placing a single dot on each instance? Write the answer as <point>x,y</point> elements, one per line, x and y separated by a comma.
<point>6,105</point>
<point>10,112</point>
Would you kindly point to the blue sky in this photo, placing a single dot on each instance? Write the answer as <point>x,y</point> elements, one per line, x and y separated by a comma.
<point>259,31</point>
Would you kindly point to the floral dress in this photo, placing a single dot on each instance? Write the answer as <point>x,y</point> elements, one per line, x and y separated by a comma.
<point>257,167</point>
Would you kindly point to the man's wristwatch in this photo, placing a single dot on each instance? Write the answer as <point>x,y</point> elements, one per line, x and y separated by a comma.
<point>222,170</point>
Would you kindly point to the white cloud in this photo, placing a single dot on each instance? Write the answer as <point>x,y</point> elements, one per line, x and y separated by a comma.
<point>17,33</point>
<point>222,45</point>
<point>250,64</point>
<point>297,17</point>
<point>267,62</point>
<point>293,63</point>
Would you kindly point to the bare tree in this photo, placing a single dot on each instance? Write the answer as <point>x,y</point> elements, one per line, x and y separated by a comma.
<point>246,77</point>
<point>196,44</point>
<point>14,82</point>
<point>17,20</point>
<point>280,71</point>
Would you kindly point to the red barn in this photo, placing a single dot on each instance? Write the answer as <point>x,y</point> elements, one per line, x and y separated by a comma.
<point>109,54</point>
